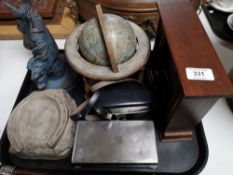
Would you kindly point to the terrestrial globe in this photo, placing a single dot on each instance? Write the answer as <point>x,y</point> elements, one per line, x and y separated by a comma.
<point>86,50</point>
<point>120,33</point>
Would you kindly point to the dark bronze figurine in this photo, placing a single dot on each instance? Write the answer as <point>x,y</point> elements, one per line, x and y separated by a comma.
<point>48,68</point>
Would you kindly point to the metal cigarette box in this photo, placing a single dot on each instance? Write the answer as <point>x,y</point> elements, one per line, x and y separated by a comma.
<point>120,144</point>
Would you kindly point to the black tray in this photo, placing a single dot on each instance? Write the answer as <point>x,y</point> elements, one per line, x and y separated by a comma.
<point>218,23</point>
<point>175,158</point>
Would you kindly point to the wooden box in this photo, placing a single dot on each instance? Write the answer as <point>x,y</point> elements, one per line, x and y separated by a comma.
<point>183,49</point>
<point>142,12</point>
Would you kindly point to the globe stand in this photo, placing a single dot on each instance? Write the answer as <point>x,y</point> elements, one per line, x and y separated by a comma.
<point>94,73</point>
<point>91,85</point>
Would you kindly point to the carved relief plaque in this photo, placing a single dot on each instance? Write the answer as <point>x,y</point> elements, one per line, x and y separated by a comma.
<point>50,10</point>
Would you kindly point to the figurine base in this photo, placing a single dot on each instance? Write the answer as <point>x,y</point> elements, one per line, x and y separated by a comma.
<point>67,81</point>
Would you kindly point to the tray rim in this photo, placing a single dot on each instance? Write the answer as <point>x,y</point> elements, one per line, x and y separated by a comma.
<point>196,169</point>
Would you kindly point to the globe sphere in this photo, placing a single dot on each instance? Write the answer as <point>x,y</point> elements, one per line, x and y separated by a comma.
<point>121,35</point>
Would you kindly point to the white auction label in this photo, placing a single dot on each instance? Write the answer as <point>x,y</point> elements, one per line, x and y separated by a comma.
<point>204,74</point>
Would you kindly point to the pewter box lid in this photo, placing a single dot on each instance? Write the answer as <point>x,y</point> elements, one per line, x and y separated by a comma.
<point>115,142</point>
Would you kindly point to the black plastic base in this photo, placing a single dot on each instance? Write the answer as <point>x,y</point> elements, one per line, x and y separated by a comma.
<point>218,23</point>
<point>175,157</point>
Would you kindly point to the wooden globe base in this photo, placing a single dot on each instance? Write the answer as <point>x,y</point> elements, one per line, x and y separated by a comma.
<point>91,85</point>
